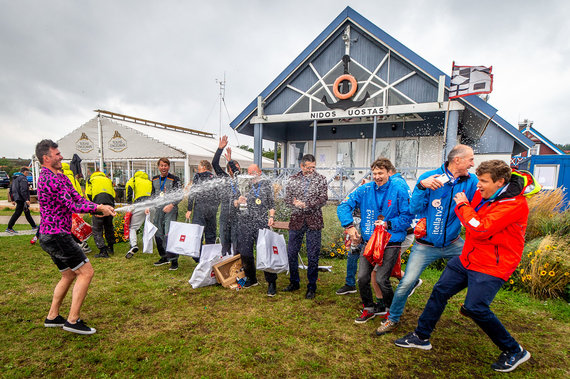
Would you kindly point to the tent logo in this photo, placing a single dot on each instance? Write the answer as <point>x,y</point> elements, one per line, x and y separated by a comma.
<point>117,143</point>
<point>84,144</point>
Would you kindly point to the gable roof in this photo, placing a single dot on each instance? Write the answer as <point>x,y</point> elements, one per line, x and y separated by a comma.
<point>543,139</point>
<point>350,15</point>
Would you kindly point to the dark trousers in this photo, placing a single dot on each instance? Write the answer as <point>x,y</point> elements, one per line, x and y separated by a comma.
<point>208,220</point>
<point>103,225</point>
<point>247,237</point>
<point>21,206</point>
<point>313,251</point>
<point>162,223</point>
<point>365,268</point>
<point>228,232</point>
<point>481,290</point>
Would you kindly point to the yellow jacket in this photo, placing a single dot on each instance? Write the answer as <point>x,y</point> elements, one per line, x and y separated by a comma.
<point>99,189</point>
<point>138,187</point>
<point>72,179</point>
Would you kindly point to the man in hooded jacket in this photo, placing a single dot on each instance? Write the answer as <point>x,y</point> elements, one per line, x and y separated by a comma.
<point>139,188</point>
<point>20,193</point>
<point>99,189</point>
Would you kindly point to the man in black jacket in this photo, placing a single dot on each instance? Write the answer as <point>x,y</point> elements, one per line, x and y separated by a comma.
<point>228,193</point>
<point>203,201</point>
<point>20,193</point>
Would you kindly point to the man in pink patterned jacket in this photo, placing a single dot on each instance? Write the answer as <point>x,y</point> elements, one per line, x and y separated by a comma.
<point>58,201</point>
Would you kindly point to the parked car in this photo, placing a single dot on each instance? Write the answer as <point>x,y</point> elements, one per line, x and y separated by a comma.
<point>4,179</point>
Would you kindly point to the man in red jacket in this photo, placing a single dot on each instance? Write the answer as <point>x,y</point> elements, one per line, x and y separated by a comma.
<point>495,224</point>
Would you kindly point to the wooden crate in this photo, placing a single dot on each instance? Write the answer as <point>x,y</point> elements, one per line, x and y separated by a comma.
<point>228,271</point>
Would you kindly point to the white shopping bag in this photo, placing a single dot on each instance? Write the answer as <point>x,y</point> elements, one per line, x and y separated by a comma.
<point>184,239</point>
<point>148,234</point>
<point>271,252</point>
<point>203,274</point>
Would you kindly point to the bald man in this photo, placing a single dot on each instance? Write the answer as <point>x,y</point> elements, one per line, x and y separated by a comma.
<point>259,215</point>
<point>433,199</point>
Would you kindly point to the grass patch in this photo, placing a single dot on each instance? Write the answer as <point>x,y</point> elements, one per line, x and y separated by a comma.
<point>151,323</point>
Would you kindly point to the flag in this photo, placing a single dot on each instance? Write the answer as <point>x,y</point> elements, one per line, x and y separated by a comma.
<point>470,80</point>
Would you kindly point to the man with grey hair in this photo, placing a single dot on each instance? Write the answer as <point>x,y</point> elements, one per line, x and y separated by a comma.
<point>433,199</point>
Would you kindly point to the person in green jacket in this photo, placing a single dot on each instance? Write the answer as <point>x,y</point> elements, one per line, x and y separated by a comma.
<point>99,189</point>
<point>139,188</point>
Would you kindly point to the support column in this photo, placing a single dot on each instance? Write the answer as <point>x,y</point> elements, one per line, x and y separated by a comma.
<point>452,129</point>
<point>284,154</point>
<point>100,132</point>
<point>275,147</point>
<point>315,138</point>
<point>373,152</point>
<point>257,143</point>
<point>186,171</point>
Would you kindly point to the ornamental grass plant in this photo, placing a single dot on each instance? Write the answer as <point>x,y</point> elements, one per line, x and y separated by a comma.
<point>545,213</point>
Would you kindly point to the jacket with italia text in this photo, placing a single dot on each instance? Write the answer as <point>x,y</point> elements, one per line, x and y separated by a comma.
<point>437,206</point>
<point>99,189</point>
<point>494,238</point>
<point>390,200</point>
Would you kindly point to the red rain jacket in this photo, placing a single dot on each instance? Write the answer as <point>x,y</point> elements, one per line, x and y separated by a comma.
<point>495,232</point>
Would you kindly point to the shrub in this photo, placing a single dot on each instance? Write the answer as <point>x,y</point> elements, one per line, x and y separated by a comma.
<point>544,269</point>
<point>545,213</point>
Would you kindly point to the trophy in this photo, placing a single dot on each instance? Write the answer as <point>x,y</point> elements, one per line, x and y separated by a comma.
<point>244,185</point>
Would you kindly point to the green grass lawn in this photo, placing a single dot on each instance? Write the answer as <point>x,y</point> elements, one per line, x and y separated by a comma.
<point>151,323</point>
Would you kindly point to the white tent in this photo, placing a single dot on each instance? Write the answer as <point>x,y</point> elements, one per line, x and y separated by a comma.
<point>134,144</point>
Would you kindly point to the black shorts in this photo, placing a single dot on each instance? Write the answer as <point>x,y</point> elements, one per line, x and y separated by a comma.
<point>63,250</point>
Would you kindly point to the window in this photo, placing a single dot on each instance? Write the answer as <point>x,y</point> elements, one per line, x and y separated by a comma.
<point>547,175</point>
<point>296,152</point>
<point>535,150</point>
<point>345,154</point>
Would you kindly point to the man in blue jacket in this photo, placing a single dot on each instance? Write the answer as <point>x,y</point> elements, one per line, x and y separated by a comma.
<point>21,196</point>
<point>381,197</point>
<point>433,199</point>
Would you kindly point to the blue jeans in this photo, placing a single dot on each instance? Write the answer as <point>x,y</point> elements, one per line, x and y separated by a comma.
<point>481,290</point>
<point>351,267</point>
<point>313,251</point>
<point>421,256</point>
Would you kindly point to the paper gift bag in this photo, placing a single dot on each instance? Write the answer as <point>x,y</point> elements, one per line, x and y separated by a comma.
<point>271,252</point>
<point>148,234</point>
<point>204,274</point>
<point>184,239</point>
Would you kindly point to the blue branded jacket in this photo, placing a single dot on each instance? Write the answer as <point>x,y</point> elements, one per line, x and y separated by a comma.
<point>390,200</point>
<point>438,206</point>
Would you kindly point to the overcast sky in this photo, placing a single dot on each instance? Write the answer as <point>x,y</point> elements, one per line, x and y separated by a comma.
<point>159,60</point>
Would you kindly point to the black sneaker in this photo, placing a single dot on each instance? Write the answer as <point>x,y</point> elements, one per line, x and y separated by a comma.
<point>507,362</point>
<point>346,289</point>
<point>418,283</point>
<point>365,316</point>
<point>292,287</point>
<point>103,254</point>
<point>57,322</point>
<point>250,283</point>
<point>310,295</point>
<point>79,327</point>
<point>131,252</point>
<point>412,340</point>
<point>161,261</point>
<point>272,289</point>
<point>173,266</point>
<point>380,309</point>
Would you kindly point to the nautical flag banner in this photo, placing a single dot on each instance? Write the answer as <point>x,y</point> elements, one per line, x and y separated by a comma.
<point>470,80</point>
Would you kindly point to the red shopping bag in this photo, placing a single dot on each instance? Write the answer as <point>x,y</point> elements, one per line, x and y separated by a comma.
<point>374,250</point>
<point>127,228</point>
<point>397,270</point>
<point>79,228</point>
<point>420,231</point>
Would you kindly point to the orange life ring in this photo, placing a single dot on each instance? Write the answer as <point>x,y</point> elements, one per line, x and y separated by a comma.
<point>353,86</point>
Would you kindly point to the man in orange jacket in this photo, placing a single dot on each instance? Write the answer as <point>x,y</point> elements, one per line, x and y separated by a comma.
<point>495,223</point>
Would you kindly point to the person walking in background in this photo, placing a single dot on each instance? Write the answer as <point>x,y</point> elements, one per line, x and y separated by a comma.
<point>20,193</point>
<point>162,185</point>
<point>99,189</point>
<point>228,193</point>
<point>139,189</point>
<point>58,201</point>
<point>495,222</point>
<point>306,194</point>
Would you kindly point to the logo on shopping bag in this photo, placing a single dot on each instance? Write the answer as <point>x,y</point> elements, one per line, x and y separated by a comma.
<point>212,274</point>
<point>275,250</point>
<point>182,238</point>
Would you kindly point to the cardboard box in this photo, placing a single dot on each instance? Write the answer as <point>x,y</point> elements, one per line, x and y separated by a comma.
<point>229,271</point>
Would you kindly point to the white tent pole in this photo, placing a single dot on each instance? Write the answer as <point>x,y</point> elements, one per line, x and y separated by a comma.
<point>186,171</point>
<point>100,131</point>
